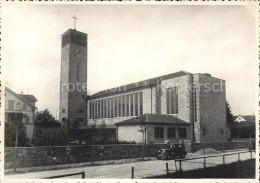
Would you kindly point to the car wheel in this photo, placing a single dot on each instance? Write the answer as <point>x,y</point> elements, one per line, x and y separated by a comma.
<point>158,157</point>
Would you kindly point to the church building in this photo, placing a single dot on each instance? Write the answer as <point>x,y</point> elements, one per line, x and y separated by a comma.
<point>172,107</point>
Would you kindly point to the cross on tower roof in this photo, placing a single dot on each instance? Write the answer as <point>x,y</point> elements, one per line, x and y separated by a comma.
<point>75,18</point>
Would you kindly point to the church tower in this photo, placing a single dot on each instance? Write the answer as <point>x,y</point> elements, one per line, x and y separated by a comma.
<point>73,79</point>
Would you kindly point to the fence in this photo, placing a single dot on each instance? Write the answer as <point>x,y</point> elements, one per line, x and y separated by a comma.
<point>205,158</point>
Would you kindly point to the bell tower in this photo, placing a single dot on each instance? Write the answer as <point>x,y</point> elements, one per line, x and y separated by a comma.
<point>73,79</point>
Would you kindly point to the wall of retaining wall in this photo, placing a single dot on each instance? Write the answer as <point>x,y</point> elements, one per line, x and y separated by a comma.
<point>57,155</point>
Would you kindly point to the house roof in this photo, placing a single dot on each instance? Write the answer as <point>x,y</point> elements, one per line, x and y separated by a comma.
<point>29,98</point>
<point>153,119</point>
<point>22,98</point>
<point>137,85</point>
<point>248,118</point>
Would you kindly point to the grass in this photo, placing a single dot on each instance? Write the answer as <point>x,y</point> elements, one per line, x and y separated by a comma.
<point>241,169</point>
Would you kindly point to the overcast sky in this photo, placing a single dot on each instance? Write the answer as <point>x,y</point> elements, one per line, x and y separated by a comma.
<point>128,43</point>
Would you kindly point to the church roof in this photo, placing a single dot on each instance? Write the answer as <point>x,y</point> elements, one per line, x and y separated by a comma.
<point>137,85</point>
<point>153,119</point>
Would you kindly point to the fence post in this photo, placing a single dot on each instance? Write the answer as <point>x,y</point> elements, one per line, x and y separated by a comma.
<point>132,172</point>
<point>167,168</point>
<point>180,165</point>
<point>83,175</point>
<point>204,163</point>
<point>224,160</point>
<point>251,154</point>
<point>238,156</point>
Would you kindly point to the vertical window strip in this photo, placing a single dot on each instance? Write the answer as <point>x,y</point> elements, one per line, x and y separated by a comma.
<point>119,107</point>
<point>141,103</point>
<point>101,109</point>
<point>123,106</point>
<point>90,110</point>
<point>167,101</point>
<point>127,105</point>
<point>195,103</point>
<point>96,109</point>
<point>131,105</point>
<point>108,108</point>
<point>115,106</point>
<point>98,116</point>
<point>136,103</point>
<point>105,108</point>
<point>112,107</point>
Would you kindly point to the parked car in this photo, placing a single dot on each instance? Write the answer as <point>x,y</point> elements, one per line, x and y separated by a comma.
<point>176,150</point>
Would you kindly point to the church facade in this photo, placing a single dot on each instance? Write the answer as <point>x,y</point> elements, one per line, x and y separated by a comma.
<point>196,102</point>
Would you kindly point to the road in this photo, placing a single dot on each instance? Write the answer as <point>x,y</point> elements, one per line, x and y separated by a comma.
<point>142,169</point>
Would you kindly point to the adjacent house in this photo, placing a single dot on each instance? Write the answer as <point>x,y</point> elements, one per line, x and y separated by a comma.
<point>21,103</point>
<point>244,118</point>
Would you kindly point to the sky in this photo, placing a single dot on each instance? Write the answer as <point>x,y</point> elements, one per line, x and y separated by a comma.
<point>129,43</point>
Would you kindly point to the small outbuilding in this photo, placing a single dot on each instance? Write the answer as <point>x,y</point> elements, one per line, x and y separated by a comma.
<point>153,128</point>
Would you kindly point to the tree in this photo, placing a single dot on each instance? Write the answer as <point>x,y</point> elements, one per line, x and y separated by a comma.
<point>204,130</point>
<point>44,116</point>
<point>229,115</point>
<point>10,133</point>
<point>222,131</point>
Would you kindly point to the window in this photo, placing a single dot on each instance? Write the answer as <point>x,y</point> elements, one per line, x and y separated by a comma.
<point>115,106</point>
<point>63,119</point>
<point>182,133</point>
<point>194,92</point>
<point>171,132</point>
<point>108,108</point>
<point>11,104</point>
<point>105,108</point>
<point>141,103</point>
<point>172,100</point>
<point>80,111</point>
<point>119,107</point>
<point>27,119</point>
<point>127,105</point>
<point>158,132</point>
<point>123,106</point>
<point>98,111</point>
<point>131,105</point>
<point>101,109</point>
<point>24,107</point>
<point>63,110</point>
<point>80,119</point>
<point>90,110</point>
<point>136,103</point>
<point>95,111</point>
<point>112,107</point>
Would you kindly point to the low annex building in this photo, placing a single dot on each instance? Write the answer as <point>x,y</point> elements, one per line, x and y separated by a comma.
<point>153,128</point>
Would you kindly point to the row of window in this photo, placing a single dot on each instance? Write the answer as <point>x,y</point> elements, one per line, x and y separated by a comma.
<point>80,111</point>
<point>171,132</point>
<point>117,106</point>
<point>11,105</point>
<point>26,118</point>
<point>172,100</point>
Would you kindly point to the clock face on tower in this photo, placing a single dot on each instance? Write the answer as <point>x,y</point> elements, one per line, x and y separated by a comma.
<point>78,52</point>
